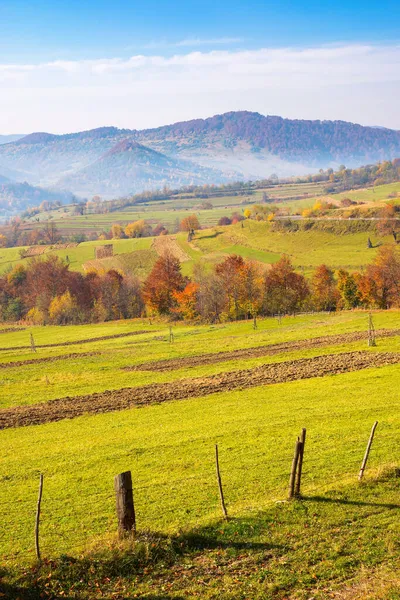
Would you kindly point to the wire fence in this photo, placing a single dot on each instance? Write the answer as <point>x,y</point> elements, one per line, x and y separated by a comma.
<point>182,494</point>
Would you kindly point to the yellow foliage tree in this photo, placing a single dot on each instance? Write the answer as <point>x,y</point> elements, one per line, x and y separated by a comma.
<point>247,213</point>
<point>36,316</point>
<point>63,309</point>
<point>3,241</point>
<point>117,231</point>
<point>135,229</point>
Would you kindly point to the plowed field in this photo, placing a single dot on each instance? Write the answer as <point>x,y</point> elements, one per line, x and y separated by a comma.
<point>113,400</point>
<point>269,350</point>
<point>47,359</point>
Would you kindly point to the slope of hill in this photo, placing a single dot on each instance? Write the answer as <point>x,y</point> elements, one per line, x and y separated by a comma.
<point>130,167</point>
<point>16,196</point>
<point>45,158</point>
<point>237,144</point>
<point>6,139</point>
<point>253,144</point>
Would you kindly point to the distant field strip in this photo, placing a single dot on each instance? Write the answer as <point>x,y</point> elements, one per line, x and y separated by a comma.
<point>12,329</point>
<point>35,361</point>
<point>74,342</point>
<point>113,400</point>
<point>246,353</point>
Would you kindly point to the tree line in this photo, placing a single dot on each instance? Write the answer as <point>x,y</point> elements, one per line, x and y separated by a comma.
<point>46,291</point>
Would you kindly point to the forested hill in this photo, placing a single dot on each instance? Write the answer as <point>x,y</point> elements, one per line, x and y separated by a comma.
<point>229,147</point>
<point>290,139</point>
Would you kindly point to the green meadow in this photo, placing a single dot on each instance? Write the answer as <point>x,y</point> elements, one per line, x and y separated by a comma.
<point>250,239</point>
<point>170,450</point>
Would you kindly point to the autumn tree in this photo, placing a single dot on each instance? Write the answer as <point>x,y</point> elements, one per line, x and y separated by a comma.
<point>187,302</point>
<point>117,231</point>
<point>159,229</point>
<point>349,295</point>
<point>63,309</point>
<point>210,296</point>
<point>230,271</point>
<point>381,283</point>
<point>323,288</point>
<point>50,233</point>
<point>137,229</point>
<point>252,287</point>
<point>284,290</point>
<point>163,282</point>
<point>189,223</point>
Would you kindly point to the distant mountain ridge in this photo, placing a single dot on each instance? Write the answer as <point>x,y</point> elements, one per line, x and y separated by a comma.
<point>129,167</point>
<point>16,196</point>
<point>231,146</point>
<point>6,139</point>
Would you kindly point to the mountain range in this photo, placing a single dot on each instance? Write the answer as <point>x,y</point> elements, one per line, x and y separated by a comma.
<point>6,139</point>
<point>17,196</point>
<point>115,162</point>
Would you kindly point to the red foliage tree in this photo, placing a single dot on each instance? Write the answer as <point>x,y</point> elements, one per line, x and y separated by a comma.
<point>284,290</point>
<point>164,280</point>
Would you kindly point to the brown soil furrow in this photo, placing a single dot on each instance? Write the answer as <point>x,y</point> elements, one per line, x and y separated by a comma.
<point>11,329</point>
<point>34,361</point>
<point>75,342</point>
<point>207,359</point>
<point>112,400</point>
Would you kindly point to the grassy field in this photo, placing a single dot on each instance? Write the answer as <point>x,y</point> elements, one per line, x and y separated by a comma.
<point>250,239</point>
<point>292,197</point>
<point>268,549</point>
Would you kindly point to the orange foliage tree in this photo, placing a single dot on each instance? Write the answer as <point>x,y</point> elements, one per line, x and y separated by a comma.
<point>163,282</point>
<point>324,290</point>
<point>187,302</point>
<point>380,286</point>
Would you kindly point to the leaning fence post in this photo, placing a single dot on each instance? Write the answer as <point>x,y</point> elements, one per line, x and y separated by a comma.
<point>294,468</point>
<point>221,492</point>
<point>300,464</point>
<point>38,518</point>
<point>124,500</point>
<point>364,462</point>
<point>33,346</point>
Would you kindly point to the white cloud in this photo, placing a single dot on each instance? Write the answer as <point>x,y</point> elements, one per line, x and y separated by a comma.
<point>211,42</point>
<point>353,82</point>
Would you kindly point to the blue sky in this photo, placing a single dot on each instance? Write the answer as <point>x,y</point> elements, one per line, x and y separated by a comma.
<point>44,30</point>
<point>71,65</point>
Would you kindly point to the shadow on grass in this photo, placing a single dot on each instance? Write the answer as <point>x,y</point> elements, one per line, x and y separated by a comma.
<point>211,235</point>
<point>324,499</point>
<point>130,559</point>
<point>11,591</point>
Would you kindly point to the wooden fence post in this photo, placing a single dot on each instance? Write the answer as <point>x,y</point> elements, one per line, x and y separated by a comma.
<point>38,518</point>
<point>294,468</point>
<point>33,346</point>
<point>364,462</point>
<point>297,490</point>
<point>125,507</point>
<point>371,331</point>
<point>221,492</point>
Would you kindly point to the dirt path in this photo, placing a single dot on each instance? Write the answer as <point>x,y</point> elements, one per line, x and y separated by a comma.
<point>245,353</point>
<point>112,400</point>
<point>34,361</point>
<point>164,243</point>
<point>74,342</point>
